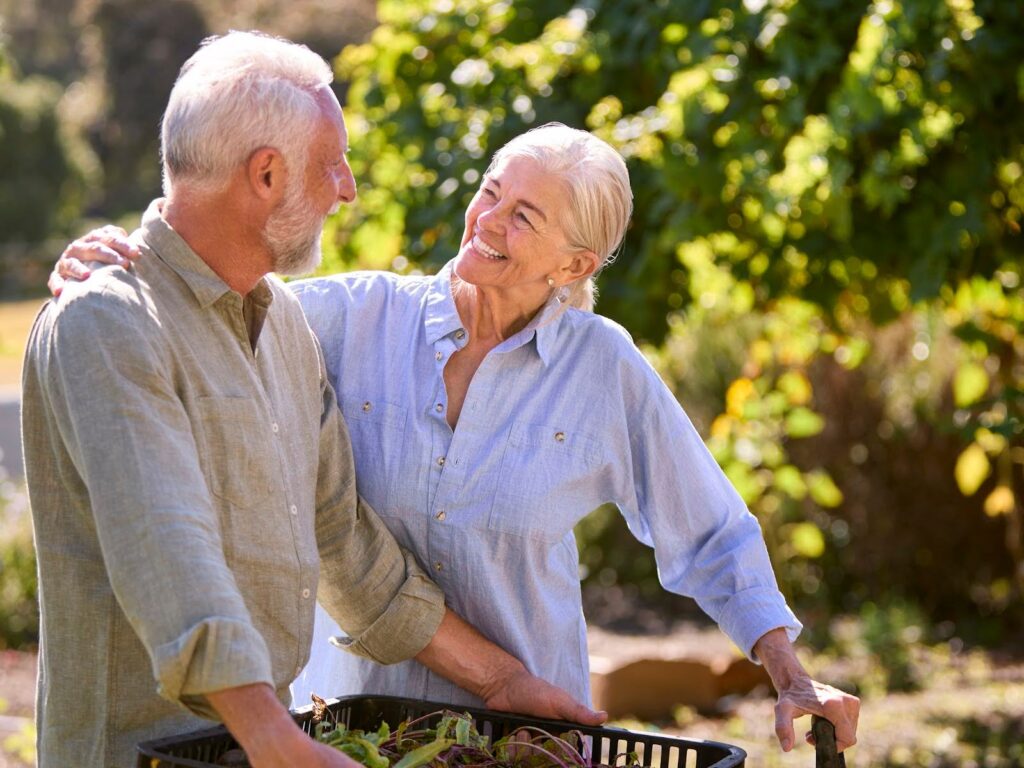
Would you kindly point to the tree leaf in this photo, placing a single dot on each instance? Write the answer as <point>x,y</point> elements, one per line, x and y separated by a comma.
<point>970,383</point>
<point>795,386</point>
<point>789,480</point>
<point>803,422</point>
<point>807,540</point>
<point>823,490</point>
<point>1000,501</point>
<point>972,467</point>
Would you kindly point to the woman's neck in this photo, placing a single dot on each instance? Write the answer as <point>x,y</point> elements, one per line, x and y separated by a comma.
<point>491,315</point>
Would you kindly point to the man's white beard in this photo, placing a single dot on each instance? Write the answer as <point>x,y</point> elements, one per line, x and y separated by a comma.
<point>293,235</point>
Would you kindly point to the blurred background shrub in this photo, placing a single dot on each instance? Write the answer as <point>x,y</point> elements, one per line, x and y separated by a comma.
<point>19,614</point>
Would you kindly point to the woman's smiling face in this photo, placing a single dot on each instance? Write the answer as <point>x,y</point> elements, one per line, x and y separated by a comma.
<point>514,239</point>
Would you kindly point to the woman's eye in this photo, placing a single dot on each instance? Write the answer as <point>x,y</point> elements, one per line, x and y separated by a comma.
<point>522,218</point>
<point>487,191</point>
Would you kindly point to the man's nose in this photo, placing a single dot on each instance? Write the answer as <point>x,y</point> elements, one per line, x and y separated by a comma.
<point>347,186</point>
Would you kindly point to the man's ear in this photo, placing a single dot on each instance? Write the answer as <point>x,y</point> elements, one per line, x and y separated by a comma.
<point>266,173</point>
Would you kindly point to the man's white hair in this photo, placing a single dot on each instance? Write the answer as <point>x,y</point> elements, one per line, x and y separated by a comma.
<point>240,92</point>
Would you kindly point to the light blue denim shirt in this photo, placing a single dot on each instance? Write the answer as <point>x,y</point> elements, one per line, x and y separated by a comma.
<point>560,418</point>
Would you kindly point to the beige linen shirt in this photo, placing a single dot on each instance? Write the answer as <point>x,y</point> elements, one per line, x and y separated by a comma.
<point>188,493</point>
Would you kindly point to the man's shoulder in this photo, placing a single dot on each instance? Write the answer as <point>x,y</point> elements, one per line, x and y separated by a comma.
<point>112,304</point>
<point>109,292</point>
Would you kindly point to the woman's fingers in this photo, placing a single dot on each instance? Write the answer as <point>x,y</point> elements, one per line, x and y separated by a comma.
<point>106,244</point>
<point>72,262</point>
<point>116,238</point>
<point>55,283</point>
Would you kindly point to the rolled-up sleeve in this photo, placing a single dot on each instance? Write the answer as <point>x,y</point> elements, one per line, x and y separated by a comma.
<point>129,436</point>
<point>374,589</point>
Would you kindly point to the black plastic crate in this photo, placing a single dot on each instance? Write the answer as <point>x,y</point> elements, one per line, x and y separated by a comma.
<point>203,748</point>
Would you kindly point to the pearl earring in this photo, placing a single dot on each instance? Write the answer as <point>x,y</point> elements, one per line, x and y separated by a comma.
<point>551,282</point>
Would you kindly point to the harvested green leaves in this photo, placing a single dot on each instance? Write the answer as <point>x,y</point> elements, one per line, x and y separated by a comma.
<point>455,741</point>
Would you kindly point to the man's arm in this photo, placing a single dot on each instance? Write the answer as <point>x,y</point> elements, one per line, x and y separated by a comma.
<point>267,732</point>
<point>800,695</point>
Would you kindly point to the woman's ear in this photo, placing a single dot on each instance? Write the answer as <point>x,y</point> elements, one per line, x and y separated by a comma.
<point>266,173</point>
<point>582,264</point>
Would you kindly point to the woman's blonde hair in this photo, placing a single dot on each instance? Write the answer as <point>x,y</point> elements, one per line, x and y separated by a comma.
<point>600,200</point>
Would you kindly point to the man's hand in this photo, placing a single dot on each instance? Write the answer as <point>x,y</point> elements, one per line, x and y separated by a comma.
<point>267,733</point>
<point>471,661</point>
<point>800,695</point>
<point>107,245</point>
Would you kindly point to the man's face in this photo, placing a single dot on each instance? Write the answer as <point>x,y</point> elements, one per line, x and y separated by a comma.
<point>293,231</point>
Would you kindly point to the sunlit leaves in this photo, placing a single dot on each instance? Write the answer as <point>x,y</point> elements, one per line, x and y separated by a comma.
<point>970,383</point>
<point>807,540</point>
<point>823,489</point>
<point>1000,502</point>
<point>972,469</point>
<point>803,422</point>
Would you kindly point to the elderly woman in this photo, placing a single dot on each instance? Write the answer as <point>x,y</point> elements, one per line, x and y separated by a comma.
<point>490,410</point>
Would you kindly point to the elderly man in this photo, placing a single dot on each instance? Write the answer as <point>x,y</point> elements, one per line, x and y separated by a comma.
<point>189,472</point>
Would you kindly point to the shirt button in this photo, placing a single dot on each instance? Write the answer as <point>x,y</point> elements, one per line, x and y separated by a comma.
<point>440,461</point>
<point>560,437</point>
<point>438,355</point>
<point>306,593</point>
<point>367,406</point>
<point>438,566</point>
<point>439,407</point>
<point>460,334</point>
<point>441,515</point>
<point>274,428</point>
<point>294,510</point>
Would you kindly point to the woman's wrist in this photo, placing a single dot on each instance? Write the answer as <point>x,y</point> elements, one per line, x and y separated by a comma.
<point>777,655</point>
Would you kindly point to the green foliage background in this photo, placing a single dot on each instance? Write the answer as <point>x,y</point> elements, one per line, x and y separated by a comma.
<point>824,260</point>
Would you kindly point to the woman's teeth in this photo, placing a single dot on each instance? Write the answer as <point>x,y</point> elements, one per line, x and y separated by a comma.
<point>485,250</point>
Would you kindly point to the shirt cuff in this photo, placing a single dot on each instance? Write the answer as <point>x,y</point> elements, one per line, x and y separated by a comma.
<point>408,623</point>
<point>752,613</point>
<point>213,655</point>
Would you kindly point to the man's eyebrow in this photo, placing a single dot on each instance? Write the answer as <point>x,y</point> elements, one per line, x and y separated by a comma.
<point>523,202</point>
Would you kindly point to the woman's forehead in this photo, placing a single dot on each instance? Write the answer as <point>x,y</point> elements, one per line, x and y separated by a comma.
<point>527,178</point>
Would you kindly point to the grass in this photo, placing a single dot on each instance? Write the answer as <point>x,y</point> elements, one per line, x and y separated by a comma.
<point>15,322</point>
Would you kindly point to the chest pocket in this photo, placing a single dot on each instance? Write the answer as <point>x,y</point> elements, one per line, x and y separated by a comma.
<point>239,460</point>
<point>546,483</point>
<point>377,431</point>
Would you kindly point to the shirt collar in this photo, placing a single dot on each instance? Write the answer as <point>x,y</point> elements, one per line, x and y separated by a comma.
<point>442,318</point>
<point>204,283</point>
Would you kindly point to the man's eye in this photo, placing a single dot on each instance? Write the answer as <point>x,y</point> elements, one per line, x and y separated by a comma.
<point>487,191</point>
